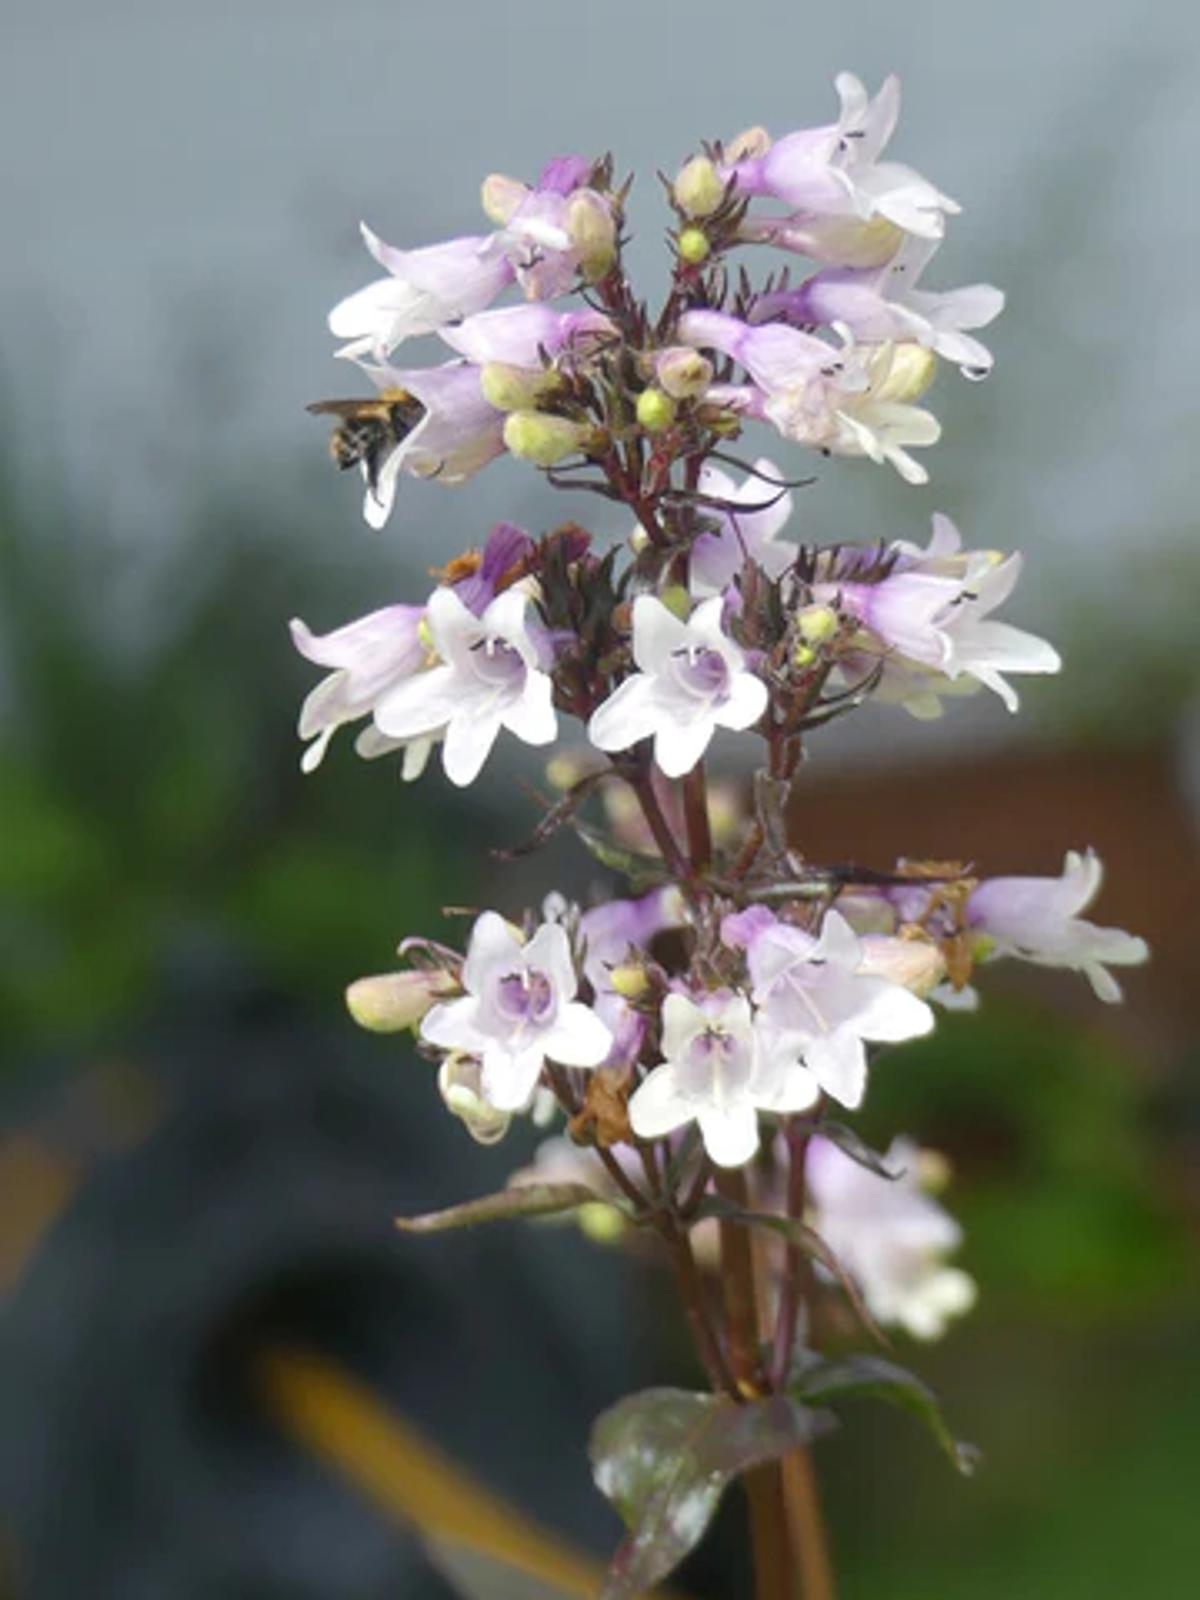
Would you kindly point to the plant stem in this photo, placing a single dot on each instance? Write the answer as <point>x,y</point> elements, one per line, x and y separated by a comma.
<point>809,1548</point>
<point>664,838</point>
<point>695,804</point>
<point>695,1307</point>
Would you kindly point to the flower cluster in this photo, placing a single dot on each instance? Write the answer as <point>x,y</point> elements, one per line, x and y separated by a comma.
<point>701,1034</point>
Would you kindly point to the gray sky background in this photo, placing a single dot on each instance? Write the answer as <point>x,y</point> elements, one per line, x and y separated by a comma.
<point>182,187</point>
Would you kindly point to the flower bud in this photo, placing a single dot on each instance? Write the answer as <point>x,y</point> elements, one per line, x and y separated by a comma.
<point>630,982</point>
<point>394,1001</point>
<point>698,189</point>
<point>906,376</point>
<point>514,388</point>
<point>501,196</point>
<point>682,373</point>
<point>602,1224</point>
<point>592,230</point>
<point>803,655</point>
<point>535,436</point>
<point>817,624</point>
<point>458,1083</point>
<point>916,964</point>
<point>934,1171</point>
<point>655,410</point>
<point>747,146</point>
<point>677,601</point>
<point>693,246</point>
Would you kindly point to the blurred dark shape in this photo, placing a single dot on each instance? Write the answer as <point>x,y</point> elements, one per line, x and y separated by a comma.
<point>137,1458</point>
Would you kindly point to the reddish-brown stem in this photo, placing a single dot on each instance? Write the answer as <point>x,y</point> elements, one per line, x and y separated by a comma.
<point>806,1528</point>
<point>695,1306</point>
<point>626,1185</point>
<point>695,808</point>
<point>792,1284</point>
<point>659,827</point>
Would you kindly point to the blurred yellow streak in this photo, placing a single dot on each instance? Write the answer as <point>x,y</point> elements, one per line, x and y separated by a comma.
<point>345,1422</point>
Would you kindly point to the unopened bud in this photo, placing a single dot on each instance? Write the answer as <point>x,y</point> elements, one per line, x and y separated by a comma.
<point>655,410</point>
<point>934,1171</point>
<point>459,1086</point>
<point>394,1001</point>
<point>514,388</point>
<point>602,1224</point>
<point>630,982</point>
<point>693,246</point>
<point>906,376</point>
<point>747,146</point>
<point>682,373</point>
<point>565,771</point>
<point>501,196</point>
<point>677,601</point>
<point>916,964</point>
<point>803,655</point>
<point>639,540</point>
<point>817,624</point>
<point>698,189</point>
<point>544,440</point>
<point>592,230</point>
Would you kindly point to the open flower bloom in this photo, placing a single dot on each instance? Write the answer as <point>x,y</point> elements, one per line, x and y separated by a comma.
<point>368,657</point>
<point>519,1011</point>
<point>854,401</point>
<point>819,1003</point>
<point>716,558</point>
<point>491,677</point>
<point>692,679</point>
<point>890,1237</point>
<point>716,1072</point>
<point>518,336</point>
<point>1038,919</point>
<point>554,230</point>
<point>882,304</point>
<point>930,617</point>
<point>835,170</point>
<point>458,433</point>
<point>423,291</point>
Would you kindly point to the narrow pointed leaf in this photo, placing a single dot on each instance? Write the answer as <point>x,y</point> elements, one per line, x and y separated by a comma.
<point>870,1377</point>
<point>849,1143</point>
<point>525,1200</point>
<point>664,1457</point>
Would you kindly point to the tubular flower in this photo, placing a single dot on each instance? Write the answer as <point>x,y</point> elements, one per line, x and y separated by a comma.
<point>555,230</point>
<point>490,677</point>
<point>716,558</point>
<point>369,657</point>
<point>519,1011</point>
<point>691,680</point>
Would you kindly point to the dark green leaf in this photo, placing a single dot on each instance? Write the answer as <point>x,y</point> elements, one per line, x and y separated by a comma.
<point>869,1377</point>
<point>524,1200</point>
<point>629,863</point>
<point>664,1458</point>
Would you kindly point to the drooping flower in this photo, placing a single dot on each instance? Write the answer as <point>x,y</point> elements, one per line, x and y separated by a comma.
<point>821,1002</point>
<point>854,401</point>
<point>716,1071</point>
<point>890,1236</point>
<point>369,657</point>
<point>835,171</point>
<point>883,304</point>
<point>1038,920</point>
<point>519,1010</point>
<point>492,676</point>
<point>691,679</point>
<point>424,290</point>
<point>717,557</point>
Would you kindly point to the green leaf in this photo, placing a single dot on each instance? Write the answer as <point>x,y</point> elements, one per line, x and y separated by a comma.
<point>664,1457</point>
<point>849,1143</point>
<point>630,864</point>
<point>804,1238</point>
<point>869,1377</point>
<point>524,1200</point>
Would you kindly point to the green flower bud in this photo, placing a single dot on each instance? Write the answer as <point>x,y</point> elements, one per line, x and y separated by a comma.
<point>906,376</point>
<point>693,246</point>
<point>655,410</point>
<point>698,189</point>
<point>535,436</point>
<point>394,1001</point>
<point>677,600</point>
<point>817,624</point>
<point>592,230</point>
<point>683,373</point>
<point>803,655</point>
<point>501,196</point>
<point>514,388</point>
<point>630,982</point>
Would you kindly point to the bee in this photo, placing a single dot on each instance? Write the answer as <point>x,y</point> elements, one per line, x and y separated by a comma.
<point>369,430</point>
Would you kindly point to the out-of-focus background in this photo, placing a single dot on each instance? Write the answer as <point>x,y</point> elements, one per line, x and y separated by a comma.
<point>199,1156</point>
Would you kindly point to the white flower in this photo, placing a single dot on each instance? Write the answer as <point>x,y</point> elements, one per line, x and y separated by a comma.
<point>716,1072</point>
<point>692,679</point>
<point>491,678</point>
<point>716,558</point>
<point>518,1010</point>
<point>822,1005</point>
<point>890,1237</point>
<point>424,290</point>
<point>369,657</point>
<point>1038,919</point>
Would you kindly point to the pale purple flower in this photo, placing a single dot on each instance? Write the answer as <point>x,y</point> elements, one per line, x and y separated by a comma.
<point>614,929</point>
<point>836,171</point>
<point>881,304</point>
<point>553,230</point>
<point>717,1072</point>
<point>820,1001</point>
<point>368,657</point>
<point>1039,920</point>
<point>518,335</point>
<point>424,290</point>
<point>458,434</point>
<point>491,677</point>
<point>716,558</point>
<point>519,1011</point>
<point>890,1236</point>
<point>691,680</point>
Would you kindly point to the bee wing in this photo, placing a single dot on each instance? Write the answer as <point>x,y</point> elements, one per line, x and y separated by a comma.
<point>348,409</point>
